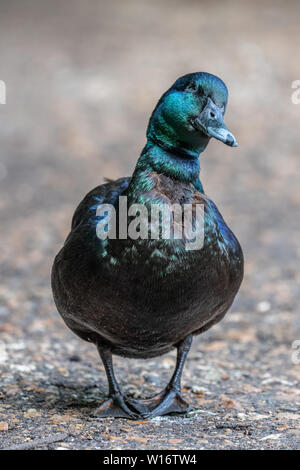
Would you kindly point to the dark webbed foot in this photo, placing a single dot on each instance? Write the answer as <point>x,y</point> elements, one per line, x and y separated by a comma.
<point>172,402</point>
<point>115,407</point>
<point>167,402</point>
<point>145,405</point>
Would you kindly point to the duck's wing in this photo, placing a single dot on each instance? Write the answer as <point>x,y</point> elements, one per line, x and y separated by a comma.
<point>106,193</point>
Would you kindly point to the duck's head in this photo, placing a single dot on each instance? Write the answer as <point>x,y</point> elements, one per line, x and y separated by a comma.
<point>189,114</point>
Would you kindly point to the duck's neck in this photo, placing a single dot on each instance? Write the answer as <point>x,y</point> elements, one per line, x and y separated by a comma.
<point>177,163</point>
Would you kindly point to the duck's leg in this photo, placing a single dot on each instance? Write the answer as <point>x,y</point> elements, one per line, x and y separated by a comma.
<point>115,406</point>
<point>169,400</point>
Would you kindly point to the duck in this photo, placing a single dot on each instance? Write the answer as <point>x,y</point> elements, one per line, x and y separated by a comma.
<point>142,297</point>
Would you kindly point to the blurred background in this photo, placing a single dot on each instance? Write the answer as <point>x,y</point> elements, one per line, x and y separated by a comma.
<point>82,79</point>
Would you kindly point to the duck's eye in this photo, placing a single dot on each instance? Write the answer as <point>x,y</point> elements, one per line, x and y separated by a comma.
<point>192,87</point>
<point>200,90</point>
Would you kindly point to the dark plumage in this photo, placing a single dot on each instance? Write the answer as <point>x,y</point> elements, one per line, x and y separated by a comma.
<point>141,298</point>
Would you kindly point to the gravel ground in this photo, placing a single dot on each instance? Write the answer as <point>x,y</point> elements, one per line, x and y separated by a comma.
<point>82,79</point>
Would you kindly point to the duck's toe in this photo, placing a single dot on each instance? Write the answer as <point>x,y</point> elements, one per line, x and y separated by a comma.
<point>171,402</point>
<point>115,407</point>
<point>145,405</point>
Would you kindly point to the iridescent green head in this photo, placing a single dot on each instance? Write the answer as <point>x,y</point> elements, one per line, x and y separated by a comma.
<point>189,114</point>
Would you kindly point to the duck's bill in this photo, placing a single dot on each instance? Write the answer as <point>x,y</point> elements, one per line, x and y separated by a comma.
<point>216,129</point>
<point>222,134</point>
